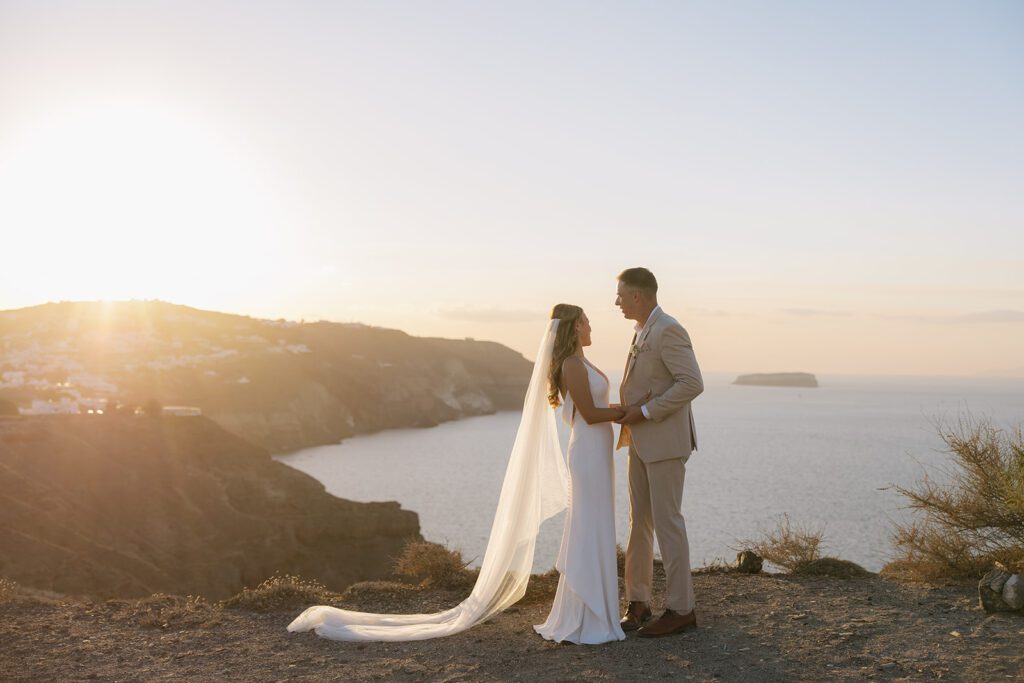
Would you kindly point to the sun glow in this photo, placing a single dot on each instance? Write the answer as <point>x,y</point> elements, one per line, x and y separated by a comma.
<point>133,199</point>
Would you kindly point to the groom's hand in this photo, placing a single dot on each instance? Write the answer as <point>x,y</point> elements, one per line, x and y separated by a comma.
<point>633,415</point>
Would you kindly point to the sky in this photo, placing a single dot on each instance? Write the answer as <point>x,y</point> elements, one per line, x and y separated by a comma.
<point>821,187</point>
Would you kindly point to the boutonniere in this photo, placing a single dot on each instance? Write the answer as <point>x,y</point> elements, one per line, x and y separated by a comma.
<point>636,349</point>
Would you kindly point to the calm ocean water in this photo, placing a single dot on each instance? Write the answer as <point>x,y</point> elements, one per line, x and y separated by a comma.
<point>825,456</point>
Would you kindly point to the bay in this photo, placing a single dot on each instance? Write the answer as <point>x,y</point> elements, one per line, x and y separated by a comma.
<point>827,457</point>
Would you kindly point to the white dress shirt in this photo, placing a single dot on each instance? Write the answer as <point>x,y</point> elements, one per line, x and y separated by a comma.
<point>639,333</point>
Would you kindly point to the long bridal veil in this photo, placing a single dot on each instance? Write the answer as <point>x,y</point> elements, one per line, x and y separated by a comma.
<point>535,489</point>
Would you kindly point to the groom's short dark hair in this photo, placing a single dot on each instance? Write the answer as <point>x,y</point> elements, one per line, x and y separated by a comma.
<point>640,278</point>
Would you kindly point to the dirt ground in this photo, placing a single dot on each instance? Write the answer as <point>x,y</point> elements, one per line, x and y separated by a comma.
<point>752,628</point>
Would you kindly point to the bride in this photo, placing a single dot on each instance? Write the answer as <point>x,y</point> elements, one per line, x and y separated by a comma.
<point>536,487</point>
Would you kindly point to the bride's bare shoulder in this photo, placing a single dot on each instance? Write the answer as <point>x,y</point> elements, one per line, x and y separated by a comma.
<point>572,362</point>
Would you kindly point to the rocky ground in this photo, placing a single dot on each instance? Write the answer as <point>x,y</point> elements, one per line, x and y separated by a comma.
<point>752,628</point>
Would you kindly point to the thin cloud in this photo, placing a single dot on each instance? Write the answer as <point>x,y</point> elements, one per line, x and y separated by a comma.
<point>489,315</point>
<point>909,318</point>
<point>993,316</point>
<point>710,312</point>
<point>814,312</point>
<point>996,316</point>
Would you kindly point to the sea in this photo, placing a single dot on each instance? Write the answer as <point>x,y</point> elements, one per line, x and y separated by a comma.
<point>829,458</point>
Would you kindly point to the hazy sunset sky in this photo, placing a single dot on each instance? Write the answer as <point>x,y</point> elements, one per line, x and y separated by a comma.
<point>830,187</point>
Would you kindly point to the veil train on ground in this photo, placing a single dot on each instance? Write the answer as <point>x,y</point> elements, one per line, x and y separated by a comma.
<point>535,489</point>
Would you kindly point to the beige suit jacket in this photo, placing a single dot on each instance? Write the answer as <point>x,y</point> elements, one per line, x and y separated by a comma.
<point>661,361</point>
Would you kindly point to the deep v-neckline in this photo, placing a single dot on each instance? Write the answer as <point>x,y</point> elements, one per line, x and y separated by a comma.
<point>596,369</point>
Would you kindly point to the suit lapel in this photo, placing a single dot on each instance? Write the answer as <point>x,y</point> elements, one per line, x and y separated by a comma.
<point>629,361</point>
<point>638,341</point>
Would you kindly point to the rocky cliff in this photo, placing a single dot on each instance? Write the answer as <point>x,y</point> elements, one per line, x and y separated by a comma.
<point>127,506</point>
<point>280,384</point>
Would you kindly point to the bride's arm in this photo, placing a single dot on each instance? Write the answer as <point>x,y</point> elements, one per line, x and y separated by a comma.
<point>577,384</point>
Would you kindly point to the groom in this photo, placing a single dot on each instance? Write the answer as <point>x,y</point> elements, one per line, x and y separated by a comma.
<point>663,377</point>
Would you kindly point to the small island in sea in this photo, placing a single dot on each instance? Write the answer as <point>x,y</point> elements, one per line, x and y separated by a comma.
<point>778,379</point>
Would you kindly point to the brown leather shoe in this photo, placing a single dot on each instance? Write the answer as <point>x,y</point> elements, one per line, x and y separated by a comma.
<point>669,623</point>
<point>636,615</point>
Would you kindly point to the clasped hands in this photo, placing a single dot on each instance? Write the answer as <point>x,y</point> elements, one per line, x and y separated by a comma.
<point>631,414</point>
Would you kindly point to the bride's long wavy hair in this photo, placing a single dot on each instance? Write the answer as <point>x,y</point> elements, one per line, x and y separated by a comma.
<point>566,340</point>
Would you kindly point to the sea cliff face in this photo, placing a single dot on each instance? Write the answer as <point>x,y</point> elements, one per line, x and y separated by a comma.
<point>282,385</point>
<point>128,506</point>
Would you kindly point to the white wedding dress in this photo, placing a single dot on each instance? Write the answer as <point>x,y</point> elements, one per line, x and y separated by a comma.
<point>586,606</point>
<point>535,488</point>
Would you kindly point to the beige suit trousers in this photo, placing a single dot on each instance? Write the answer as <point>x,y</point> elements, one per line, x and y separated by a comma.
<point>656,507</point>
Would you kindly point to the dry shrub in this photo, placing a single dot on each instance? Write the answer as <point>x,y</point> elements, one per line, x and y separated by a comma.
<point>831,566</point>
<point>386,597</point>
<point>541,588</point>
<point>432,565</point>
<point>378,590</point>
<point>716,566</point>
<point>961,528</point>
<point>7,590</point>
<point>162,611</point>
<point>282,593</point>
<point>788,546</point>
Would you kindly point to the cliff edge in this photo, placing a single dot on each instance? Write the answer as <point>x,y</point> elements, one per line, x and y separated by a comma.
<point>112,505</point>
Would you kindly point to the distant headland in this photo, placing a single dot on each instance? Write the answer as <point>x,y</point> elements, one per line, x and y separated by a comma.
<point>280,384</point>
<point>778,379</point>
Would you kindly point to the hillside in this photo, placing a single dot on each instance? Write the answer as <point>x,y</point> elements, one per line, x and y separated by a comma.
<point>126,506</point>
<point>280,384</point>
